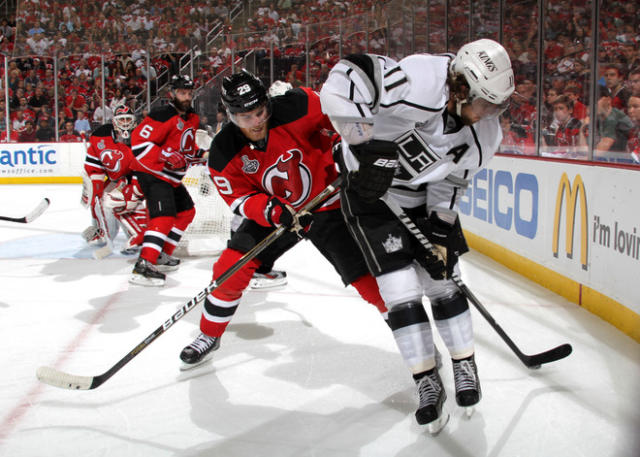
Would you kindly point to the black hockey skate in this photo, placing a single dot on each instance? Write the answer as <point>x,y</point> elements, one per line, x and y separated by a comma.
<point>145,274</point>
<point>432,396</point>
<point>468,392</point>
<point>167,263</point>
<point>199,351</point>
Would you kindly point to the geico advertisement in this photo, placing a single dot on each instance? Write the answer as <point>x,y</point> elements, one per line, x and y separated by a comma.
<point>580,221</point>
<point>40,159</point>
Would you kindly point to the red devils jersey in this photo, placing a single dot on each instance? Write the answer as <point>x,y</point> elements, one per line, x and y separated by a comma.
<point>295,165</point>
<point>164,129</point>
<point>105,156</point>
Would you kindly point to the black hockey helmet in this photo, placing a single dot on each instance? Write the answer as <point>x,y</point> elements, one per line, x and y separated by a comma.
<point>243,92</point>
<point>181,82</point>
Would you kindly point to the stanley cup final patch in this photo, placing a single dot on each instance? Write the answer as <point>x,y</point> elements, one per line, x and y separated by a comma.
<point>249,166</point>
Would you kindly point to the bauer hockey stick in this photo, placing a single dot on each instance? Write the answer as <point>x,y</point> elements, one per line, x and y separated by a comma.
<point>64,380</point>
<point>33,215</point>
<point>530,361</point>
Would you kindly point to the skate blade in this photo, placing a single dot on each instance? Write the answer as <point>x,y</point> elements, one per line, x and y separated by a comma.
<point>190,366</point>
<point>468,411</point>
<point>259,284</point>
<point>437,425</point>
<point>140,280</point>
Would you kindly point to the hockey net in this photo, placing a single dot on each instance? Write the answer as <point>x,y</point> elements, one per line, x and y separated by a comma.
<point>210,229</point>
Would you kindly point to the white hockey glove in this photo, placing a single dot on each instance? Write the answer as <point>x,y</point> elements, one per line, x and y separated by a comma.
<point>203,139</point>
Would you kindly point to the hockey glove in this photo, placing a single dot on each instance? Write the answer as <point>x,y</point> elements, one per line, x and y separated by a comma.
<point>378,162</point>
<point>431,260</point>
<point>279,213</point>
<point>173,159</point>
<point>444,231</point>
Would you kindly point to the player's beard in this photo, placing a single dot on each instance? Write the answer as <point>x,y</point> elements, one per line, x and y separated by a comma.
<point>183,106</point>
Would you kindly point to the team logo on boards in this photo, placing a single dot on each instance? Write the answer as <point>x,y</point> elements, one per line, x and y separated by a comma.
<point>571,195</point>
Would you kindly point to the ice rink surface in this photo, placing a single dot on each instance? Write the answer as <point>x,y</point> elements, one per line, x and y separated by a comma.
<point>307,370</point>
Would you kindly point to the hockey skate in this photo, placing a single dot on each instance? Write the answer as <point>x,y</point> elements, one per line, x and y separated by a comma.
<point>432,396</point>
<point>167,263</point>
<point>271,280</point>
<point>199,351</point>
<point>468,392</point>
<point>145,274</point>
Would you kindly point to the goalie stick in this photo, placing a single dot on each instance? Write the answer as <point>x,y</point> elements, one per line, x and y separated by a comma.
<point>64,380</point>
<point>33,215</point>
<point>533,361</point>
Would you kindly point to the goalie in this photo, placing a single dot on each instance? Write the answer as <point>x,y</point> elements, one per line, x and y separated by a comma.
<point>109,188</point>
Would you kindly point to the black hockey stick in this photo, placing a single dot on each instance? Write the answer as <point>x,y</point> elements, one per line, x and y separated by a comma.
<point>530,361</point>
<point>64,380</point>
<point>41,208</point>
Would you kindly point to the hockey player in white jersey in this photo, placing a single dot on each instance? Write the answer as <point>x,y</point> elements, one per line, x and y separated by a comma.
<point>415,131</point>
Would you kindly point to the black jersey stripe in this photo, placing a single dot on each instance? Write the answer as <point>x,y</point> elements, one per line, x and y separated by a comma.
<point>413,105</point>
<point>475,138</point>
<point>395,84</point>
<point>352,88</point>
<point>392,71</point>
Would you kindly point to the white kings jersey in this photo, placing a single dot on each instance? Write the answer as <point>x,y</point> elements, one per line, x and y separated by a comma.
<point>406,103</point>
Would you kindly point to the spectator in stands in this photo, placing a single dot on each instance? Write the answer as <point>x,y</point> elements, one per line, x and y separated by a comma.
<point>565,129</point>
<point>633,143</point>
<point>100,115</point>
<point>39,99</point>
<point>19,121</point>
<point>76,102</point>
<point>69,135</point>
<point>82,125</point>
<point>574,92</point>
<point>614,81</point>
<point>612,126</point>
<point>634,82</point>
<point>221,121</point>
<point>44,130</point>
<point>118,99</point>
<point>28,133</point>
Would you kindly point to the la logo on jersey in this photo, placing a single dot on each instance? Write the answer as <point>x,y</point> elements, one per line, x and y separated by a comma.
<point>288,178</point>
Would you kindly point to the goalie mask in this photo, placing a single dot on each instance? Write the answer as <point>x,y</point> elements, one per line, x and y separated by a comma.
<point>486,68</point>
<point>244,93</point>
<point>123,121</point>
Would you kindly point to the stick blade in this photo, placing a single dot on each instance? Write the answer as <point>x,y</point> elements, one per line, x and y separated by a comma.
<point>63,380</point>
<point>557,353</point>
<point>41,208</point>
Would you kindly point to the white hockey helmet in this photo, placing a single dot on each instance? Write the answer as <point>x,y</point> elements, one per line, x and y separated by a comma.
<point>486,67</point>
<point>124,121</point>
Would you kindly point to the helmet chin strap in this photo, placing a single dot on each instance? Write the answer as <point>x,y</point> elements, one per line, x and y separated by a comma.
<point>459,104</point>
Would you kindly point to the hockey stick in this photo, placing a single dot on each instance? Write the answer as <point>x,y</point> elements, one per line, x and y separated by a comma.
<point>64,380</point>
<point>530,361</point>
<point>33,215</point>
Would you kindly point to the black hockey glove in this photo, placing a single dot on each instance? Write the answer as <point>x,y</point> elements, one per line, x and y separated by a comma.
<point>444,231</point>
<point>432,261</point>
<point>279,213</point>
<point>378,162</point>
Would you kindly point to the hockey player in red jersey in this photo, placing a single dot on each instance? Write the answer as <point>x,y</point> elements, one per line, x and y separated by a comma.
<point>164,145</point>
<point>109,187</point>
<point>273,158</point>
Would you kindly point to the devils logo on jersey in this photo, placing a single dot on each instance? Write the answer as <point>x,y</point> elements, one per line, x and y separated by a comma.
<point>112,159</point>
<point>288,178</point>
<point>187,140</point>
